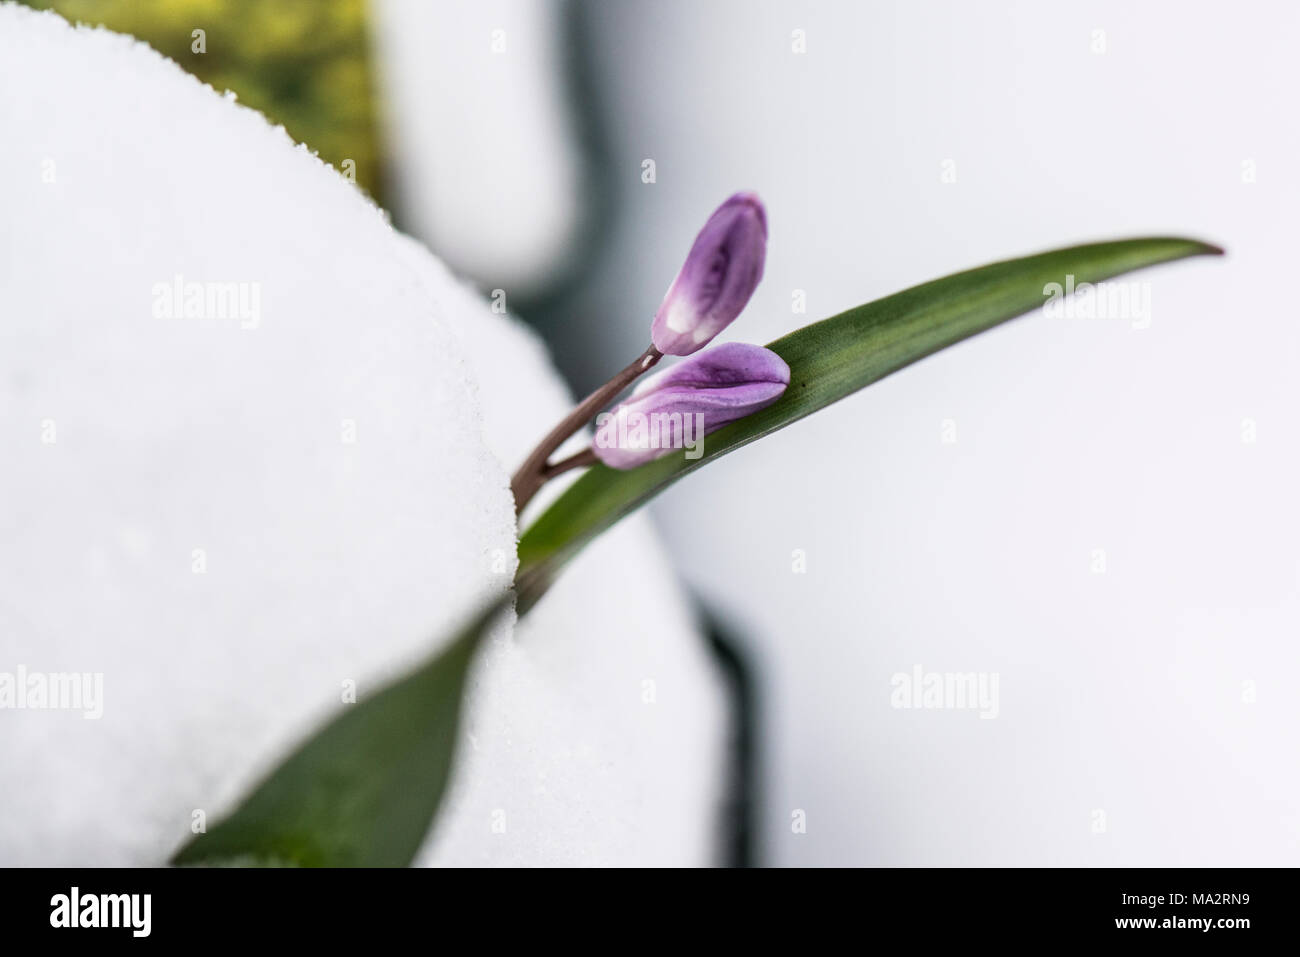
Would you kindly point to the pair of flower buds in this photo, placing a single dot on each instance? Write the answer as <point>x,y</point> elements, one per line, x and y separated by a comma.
<point>722,384</point>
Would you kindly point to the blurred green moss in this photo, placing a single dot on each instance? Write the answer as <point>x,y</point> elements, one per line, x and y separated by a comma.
<point>306,65</point>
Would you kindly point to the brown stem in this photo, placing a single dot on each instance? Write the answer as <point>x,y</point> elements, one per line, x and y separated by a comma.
<point>577,460</point>
<point>535,470</point>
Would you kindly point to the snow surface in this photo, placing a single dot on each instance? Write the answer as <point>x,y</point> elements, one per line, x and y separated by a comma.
<point>500,199</point>
<point>230,519</point>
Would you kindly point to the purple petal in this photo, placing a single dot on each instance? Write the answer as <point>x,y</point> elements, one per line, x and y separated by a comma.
<point>675,409</point>
<point>715,283</point>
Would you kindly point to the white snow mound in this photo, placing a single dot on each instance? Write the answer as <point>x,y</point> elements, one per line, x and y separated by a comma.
<point>245,465</point>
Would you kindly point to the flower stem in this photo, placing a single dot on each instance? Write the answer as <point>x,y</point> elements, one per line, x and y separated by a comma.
<point>586,457</point>
<point>536,468</point>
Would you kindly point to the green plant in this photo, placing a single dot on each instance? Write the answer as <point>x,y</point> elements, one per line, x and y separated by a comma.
<point>364,789</point>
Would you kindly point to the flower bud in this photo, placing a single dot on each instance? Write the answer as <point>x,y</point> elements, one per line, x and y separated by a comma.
<point>676,408</point>
<point>717,279</point>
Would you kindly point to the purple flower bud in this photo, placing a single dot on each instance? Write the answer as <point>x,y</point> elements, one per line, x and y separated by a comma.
<point>719,276</point>
<point>676,408</point>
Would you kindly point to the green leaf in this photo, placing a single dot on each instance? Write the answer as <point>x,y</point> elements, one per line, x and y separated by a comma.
<point>363,790</point>
<point>838,356</point>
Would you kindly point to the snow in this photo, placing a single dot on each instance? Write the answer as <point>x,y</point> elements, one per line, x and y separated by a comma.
<point>501,198</point>
<point>230,516</point>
